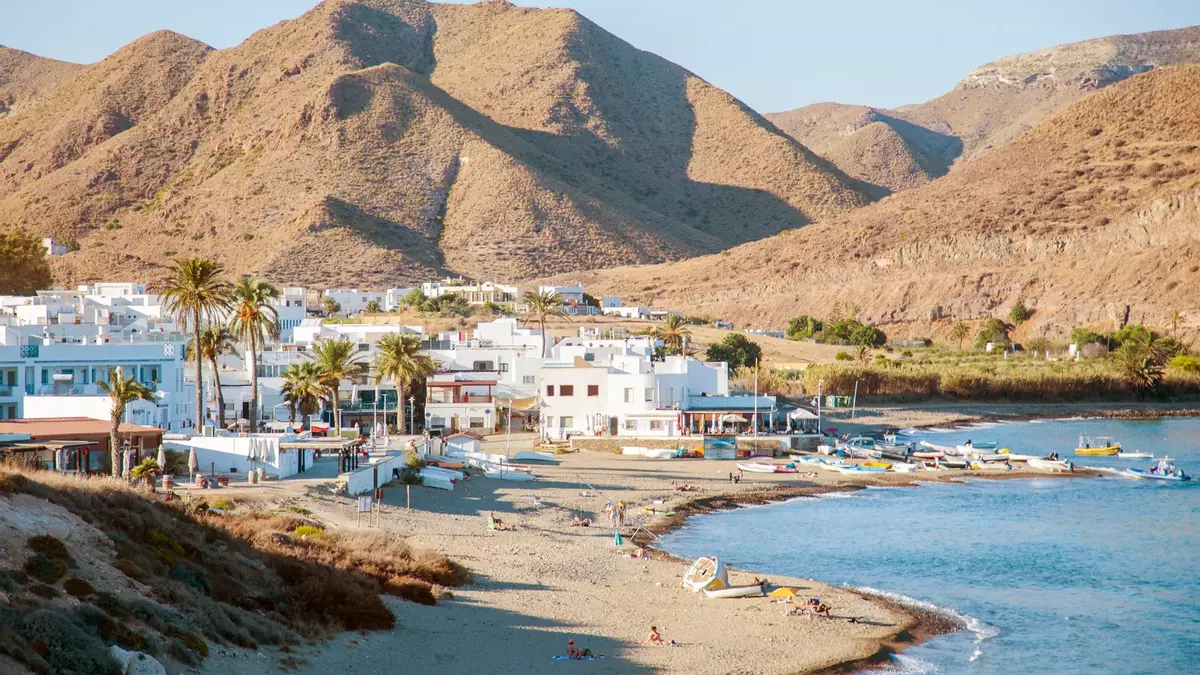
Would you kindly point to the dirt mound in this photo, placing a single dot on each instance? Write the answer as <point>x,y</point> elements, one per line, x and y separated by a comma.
<point>1071,218</point>
<point>411,139</point>
<point>878,155</point>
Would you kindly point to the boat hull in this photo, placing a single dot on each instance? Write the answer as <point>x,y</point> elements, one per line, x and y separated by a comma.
<point>1048,465</point>
<point>757,467</point>
<point>1139,473</point>
<point>735,592</point>
<point>1100,452</point>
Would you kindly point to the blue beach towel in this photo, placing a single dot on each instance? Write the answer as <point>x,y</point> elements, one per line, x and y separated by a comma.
<point>586,658</point>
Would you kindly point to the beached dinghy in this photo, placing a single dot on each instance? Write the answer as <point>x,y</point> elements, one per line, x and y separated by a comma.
<point>858,470</point>
<point>976,447</point>
<point>1049,465</point>
<point>1164,469</point>
<point>756,467</point>
<point>533,457</point>
<point>508,473</point>
<point>1016,457</point>
<point>635,450</point>
<point>706,572</point>
<point>906,468</point>
<point>929,454</point>
<point>756,590</point>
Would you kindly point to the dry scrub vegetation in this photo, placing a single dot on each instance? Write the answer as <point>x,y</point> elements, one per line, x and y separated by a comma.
<point>195,578</point>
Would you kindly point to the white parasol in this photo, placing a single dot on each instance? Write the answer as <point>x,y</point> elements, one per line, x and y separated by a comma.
<point>162,459</point>
<point>193,465</point>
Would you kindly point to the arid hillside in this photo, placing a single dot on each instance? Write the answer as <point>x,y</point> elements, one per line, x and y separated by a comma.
<point>992,106</point>
<point>25,78</point>
<point>377,142</point>
<point>1094,210</point>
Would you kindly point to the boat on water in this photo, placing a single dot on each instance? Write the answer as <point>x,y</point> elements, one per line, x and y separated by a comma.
<point>707,572</point>
<point>755,590</point>
<point>1135,455</point>
<point>1097,445</point>
<point>1043,464</point>
<point>1163,469</point>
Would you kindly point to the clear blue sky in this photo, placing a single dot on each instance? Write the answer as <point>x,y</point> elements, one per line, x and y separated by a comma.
<point>773,54</point>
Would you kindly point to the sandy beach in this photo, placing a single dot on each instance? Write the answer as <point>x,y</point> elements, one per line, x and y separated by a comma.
<point>546,582</point>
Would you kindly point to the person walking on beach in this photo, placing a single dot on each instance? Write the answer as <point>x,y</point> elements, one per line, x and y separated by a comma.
<point>620,513</point>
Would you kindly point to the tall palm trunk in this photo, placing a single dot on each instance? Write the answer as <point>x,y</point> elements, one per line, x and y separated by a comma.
<point>399,409</point>
<point>253,384</point>
<point>212,363</point>
<point>542,323</point>
<point>337,412</point>
<point>113,447</point>
<point>199,370</point>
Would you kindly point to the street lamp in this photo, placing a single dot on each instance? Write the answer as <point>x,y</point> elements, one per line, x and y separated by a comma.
<point>412,409</point>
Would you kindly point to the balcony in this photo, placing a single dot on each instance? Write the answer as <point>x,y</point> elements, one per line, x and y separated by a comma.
<point>6,390</point>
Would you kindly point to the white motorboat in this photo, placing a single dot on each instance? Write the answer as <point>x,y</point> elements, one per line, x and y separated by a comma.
<point>826,449</point>
<point>706,572</point>
<point>757,590</point>
<point>1042,464</point>
<point>636,450</point>
<point>1016,457</point>
<point>944,449</point>
<point>972,447</point>
<point>1135,455</point>
<point>757,467</point>
<point>508,473</point>
<point>906,468</point>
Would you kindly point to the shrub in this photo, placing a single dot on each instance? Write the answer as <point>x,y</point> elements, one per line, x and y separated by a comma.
<point>224,504</point>
<point>132,569</point>
<point>65,643</point>
<point>78,587</point>
<point>45,570</point>
<point>49,546</point>
<point>994,331</point>
<point>298,509</point>
<point>803,327</point>
<point>44,591</point>
<point>1187,364</point>
<point>843,356</point>
<point>307,531</point>
<point>1019,313</point>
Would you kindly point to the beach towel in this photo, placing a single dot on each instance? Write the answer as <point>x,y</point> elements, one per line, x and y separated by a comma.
<point>560,657</point>
<point>617,541</point>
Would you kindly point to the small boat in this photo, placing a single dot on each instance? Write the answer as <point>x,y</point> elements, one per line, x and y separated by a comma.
<point>706,572</point>
<point>1135,455</point>
<point>636,450</point>
<point>531,456</point>
<point>905,468</point>
<point>1049,465</point>
<point>929,454</point>
<point>756,467</point>
<point>1015,457</point>
<point>1163,469</point>
<point>1098,445</point>
<point>858,470</point>
<point>885,465</point>
<point>953,462</point>
<point>505,473</point>
<point>758,590</point>
<point>826,449</point>
<point>976,446</point>
<point>661,453</point>
<point>998,457</point>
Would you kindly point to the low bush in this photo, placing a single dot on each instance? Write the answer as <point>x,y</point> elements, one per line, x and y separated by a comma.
<point>78,588</point>
<point>307,531</point>
<point>44,591</point>
<point>57,641</point>
<point>51,547</point>
<point>45,570</point>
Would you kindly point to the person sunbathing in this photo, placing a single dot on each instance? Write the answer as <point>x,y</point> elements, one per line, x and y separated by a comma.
<point>819,608</point>
<point>576,653</point>
<point>495,523</point>
<point>640,554</point>
<point>576,521</point>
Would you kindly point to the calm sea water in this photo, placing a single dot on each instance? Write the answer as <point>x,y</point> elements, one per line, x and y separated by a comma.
<point>1052,576</point>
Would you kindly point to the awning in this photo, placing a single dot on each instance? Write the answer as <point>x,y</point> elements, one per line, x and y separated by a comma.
<point>801,414</point>
<point>730,417</point>
<point>518,404</point>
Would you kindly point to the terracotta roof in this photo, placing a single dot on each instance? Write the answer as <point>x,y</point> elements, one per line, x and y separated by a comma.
<point>63,428</point>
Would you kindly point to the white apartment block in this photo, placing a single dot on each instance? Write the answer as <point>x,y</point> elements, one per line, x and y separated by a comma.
<point>461,401</point>
<point>292,308</point>
<point>394,298</point>
<point>354,301</point>
<point>474,293</point>
<point>53,246</point>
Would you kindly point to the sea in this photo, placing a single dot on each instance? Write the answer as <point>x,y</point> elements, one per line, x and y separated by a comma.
<point>1098,576</point>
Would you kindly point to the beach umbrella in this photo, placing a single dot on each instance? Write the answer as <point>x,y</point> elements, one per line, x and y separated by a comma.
<point>193,465</point>
<point>784,592</point>
<point>162,459</point>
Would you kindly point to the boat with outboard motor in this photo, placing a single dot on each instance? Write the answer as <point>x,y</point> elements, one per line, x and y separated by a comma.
<point>1102,446</point>
<point>1135,455</point>
<point>1163,469</point>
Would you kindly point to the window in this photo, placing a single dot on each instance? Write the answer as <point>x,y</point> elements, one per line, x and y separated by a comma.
<point>483,365</point>
<point>528,379</point>
<point>566,422</point>
<point>475,422</point>
<point>566,390</point>
<point>589,356</point>
<point>657,425</point>
<point>364,346</point>
<point>504,367</point>
<point>435,421</point>
<point>628,395</point>
<point>549,390</point>
<point>630,425</point>
<point>593,390</point>
<point>649,394</point>
<point>549,421</point>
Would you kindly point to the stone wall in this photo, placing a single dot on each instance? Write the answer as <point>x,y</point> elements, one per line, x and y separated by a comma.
<point>613,444</point>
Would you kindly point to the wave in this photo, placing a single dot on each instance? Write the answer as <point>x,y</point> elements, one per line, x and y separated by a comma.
<point>983,631</point>
<point>909,665</point>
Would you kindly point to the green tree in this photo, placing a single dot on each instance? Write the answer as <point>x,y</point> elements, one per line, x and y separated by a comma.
<point>1083,336</point>
<point>400,360</point>
<point>960,332</point>
<point>195,292</point>
<point>23,266</point>
<point>1142,359</point>
<point>414,298</point>
<point>1187,364</point>
<point>541,305</point>
<point>994,331</point>
<point>737,350</point>
<point>330,306</point>
<point>1019,313</point>
<point>254,321</point>
<point>302,390</point>
<point>337,360</point>
<point>674,333</point>
<point>373,307</point>
<point>803,327</point>
<point>214,341</point>
<point>1132,331</point>
<point>121,392</point>
<point>868,336</point>
<point>492,309</point>
<point>146,471</point>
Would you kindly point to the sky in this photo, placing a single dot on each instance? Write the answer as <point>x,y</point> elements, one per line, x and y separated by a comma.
<point>773,54</point>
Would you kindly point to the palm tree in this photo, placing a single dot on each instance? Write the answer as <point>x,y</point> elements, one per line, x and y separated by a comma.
<point>540,306</point>
<point>214,341</point>
<point>337,360</point>
<point>1142,360</point>
<point>961,332</point>
<point>400,359</point>
<point>674,333</point>
<point>373,307</point>
<point>1175,318</point>
<point>254,320</point>
<point>146,471</point>
<point>194,292</point>
<point>121,391</point>
<point>302,389</point>
<point>330,306</point>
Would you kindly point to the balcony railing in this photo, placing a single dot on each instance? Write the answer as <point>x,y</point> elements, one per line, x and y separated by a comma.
<point>6,390</point>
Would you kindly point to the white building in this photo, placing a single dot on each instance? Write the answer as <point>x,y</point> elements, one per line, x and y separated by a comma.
<point>460,401</point>
<point>627,312</point>
<point>354,301</point>
<point>54,247</point>
<point>394,298</point>
<point>502,348</point>
<point>475,293</point>
<point>292,308</point>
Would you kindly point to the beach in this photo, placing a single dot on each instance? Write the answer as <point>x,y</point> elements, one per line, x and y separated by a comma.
<point>546,582</point>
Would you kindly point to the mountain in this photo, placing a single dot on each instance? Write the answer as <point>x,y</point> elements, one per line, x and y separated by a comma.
<point>994,104</point>
<point>379,142</point>
<point>1091,211</point>
<point>25,78</point>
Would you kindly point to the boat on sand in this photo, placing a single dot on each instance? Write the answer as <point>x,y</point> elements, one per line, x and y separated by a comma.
<point>756,467</point>
<point>756,590</point>
<point>706,572</point>
<point>1049,465</point>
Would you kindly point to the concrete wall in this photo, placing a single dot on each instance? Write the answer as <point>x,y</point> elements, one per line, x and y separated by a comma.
<point>366,479</point>
<point>614,445</point>
<point>231,452</point>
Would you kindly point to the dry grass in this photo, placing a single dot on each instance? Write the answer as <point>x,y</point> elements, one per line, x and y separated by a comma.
<point>226,579</point>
